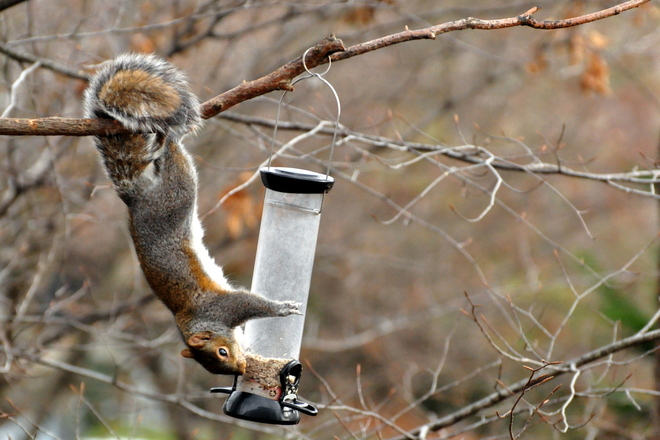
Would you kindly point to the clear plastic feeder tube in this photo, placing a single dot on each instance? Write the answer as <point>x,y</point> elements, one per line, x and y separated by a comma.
<point>282,272</point>
<point>285,256</point>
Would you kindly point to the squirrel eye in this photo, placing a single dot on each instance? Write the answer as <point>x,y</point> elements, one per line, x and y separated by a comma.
<point>223,352</point>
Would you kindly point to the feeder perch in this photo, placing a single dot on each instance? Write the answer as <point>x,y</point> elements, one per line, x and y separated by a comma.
<point>268,391</point>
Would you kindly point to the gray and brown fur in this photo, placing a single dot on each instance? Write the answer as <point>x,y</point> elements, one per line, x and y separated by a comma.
<point>155,177</point>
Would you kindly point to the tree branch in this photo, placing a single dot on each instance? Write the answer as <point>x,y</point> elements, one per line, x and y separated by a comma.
<point>172,398</point>
<point>280,79</point>
<point>54,126</point>
<point>526,19</point>
<point>45,63</point>
<point>470,154</point>
<point>513,389</point>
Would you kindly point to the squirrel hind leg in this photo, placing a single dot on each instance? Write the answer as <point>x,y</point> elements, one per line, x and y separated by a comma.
<point>129,158</point>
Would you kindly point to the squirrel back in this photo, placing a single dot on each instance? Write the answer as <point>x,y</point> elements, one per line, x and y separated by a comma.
<point>155,177</point>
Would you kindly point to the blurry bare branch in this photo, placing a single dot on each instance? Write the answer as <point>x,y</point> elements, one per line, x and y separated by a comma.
<point>518,387</point>
<point>43,62</point>
<point>525,19</point>
<point>532,383</point>
<point>281,78</point>
<point>15,87</point>
<point>18,422</point>
<point>383,328</point>
<point>25,180</point>
<point>177,399</point>
<point>91,318</point>
<point>543,230</point>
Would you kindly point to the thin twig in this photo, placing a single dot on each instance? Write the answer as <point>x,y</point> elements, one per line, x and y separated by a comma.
<point>513,389</point>
<point>14,89</point>
<point>174,398</point>
<point>470,154</point>
<point>43,62</point>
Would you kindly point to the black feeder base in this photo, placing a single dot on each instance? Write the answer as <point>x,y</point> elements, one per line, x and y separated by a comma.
<point>261,409</point>
<point>286,411</point>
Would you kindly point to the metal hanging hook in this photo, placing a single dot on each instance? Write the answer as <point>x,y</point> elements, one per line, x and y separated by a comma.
<point>310,74</point>
<point>334,92</point>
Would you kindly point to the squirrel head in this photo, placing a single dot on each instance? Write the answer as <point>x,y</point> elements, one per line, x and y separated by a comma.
<point>218,354</point>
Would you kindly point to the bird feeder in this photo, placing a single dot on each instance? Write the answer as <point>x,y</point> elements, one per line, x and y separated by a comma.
<point>268,391</point>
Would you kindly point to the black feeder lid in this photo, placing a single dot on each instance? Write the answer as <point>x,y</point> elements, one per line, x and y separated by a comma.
<point>295,180</point>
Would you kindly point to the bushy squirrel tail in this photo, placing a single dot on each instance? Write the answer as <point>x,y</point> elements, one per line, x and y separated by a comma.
<point>145,94</point>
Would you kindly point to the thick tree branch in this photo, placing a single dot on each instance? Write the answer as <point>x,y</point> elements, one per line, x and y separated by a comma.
<point>54,126</point>
<point>281,78</point>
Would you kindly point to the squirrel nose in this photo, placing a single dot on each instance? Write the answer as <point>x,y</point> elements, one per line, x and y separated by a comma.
<point>242,365</point>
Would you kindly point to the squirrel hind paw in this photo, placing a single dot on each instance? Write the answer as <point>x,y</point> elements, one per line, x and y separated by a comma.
<point>145,94</point>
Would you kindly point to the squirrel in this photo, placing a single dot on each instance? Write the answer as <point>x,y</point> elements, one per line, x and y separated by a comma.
<point>154,176</point>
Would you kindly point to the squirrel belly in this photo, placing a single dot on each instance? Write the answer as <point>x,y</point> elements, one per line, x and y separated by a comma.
<point>155,177</point>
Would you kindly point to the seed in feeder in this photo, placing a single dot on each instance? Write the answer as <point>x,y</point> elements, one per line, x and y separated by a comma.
<point>264,371</point>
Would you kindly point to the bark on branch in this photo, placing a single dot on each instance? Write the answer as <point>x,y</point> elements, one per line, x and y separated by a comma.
<point>526,19</point>
<point>281,78</point>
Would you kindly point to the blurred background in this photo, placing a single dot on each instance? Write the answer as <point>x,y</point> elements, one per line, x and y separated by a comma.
<point>436,281</point>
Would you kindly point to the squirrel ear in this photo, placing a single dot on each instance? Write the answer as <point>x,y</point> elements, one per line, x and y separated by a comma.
<point>199,340</point>
<point>187,353</point>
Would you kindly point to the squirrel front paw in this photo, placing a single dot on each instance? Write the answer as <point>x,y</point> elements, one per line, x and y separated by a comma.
<point>286,308</point>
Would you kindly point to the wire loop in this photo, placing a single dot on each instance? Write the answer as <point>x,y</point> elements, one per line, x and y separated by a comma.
<point>310,74</point>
